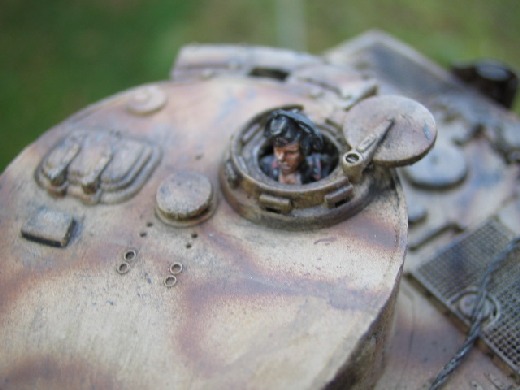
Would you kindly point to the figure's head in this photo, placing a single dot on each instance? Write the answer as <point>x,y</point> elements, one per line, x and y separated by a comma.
<point>289,156</point>
<point>293,137</point>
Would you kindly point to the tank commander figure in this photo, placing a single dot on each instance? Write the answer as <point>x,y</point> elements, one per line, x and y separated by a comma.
<point>296,149</point>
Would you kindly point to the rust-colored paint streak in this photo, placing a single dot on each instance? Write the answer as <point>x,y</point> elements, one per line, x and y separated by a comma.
<point>47,372</point>
<point>202,298</point>
<point>57,264</point>
<point>12,288</point>
<point>250,283</point>
<point>213,109</point>
<point>372,232</point>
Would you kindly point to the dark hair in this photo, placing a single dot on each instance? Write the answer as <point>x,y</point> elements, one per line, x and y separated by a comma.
<point>285,127</point>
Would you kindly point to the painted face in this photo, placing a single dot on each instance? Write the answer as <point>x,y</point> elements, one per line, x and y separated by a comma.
<point>289,157</point>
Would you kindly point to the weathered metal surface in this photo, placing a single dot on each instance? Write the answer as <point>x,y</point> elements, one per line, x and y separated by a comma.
<point>185,197</point>
<point>407,140</point>
<point>254,306</point>
<point>48,227</point>
<point>466,194</point>
<point>469,176</point>
<point>132,302</point>
<point>453,277</point>
<point>491,78</point>
<point>97,164</point>
<point>424,338</point>
<point>206,61</point>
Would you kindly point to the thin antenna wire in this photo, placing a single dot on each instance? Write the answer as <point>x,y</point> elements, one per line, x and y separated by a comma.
<point>478,317</point>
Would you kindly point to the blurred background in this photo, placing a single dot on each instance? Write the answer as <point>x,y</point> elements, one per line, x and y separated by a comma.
<point>57,56</point>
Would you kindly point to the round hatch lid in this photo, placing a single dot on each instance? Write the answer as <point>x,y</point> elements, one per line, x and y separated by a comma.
<point>410,137</point>
<point>184,197</point>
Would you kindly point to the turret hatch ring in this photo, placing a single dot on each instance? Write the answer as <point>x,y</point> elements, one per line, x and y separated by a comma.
<point>282,169</point>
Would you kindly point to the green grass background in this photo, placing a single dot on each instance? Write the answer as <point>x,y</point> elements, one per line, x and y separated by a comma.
<point>57,56</point>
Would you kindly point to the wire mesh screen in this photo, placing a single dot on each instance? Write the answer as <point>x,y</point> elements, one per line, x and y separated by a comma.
<point>454,275</point>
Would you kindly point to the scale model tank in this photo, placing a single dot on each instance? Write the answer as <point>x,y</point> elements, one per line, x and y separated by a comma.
<point>242,225</point>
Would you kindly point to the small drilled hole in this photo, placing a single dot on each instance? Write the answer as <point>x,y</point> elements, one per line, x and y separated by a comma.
<point>123,268</point>
<point>149,224</point>
<point>130,255</point>
<point>188,245</point>
<point>194,235</point>
<point>143,234</point>
<point>170,281</point>
<point>176,268</point>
